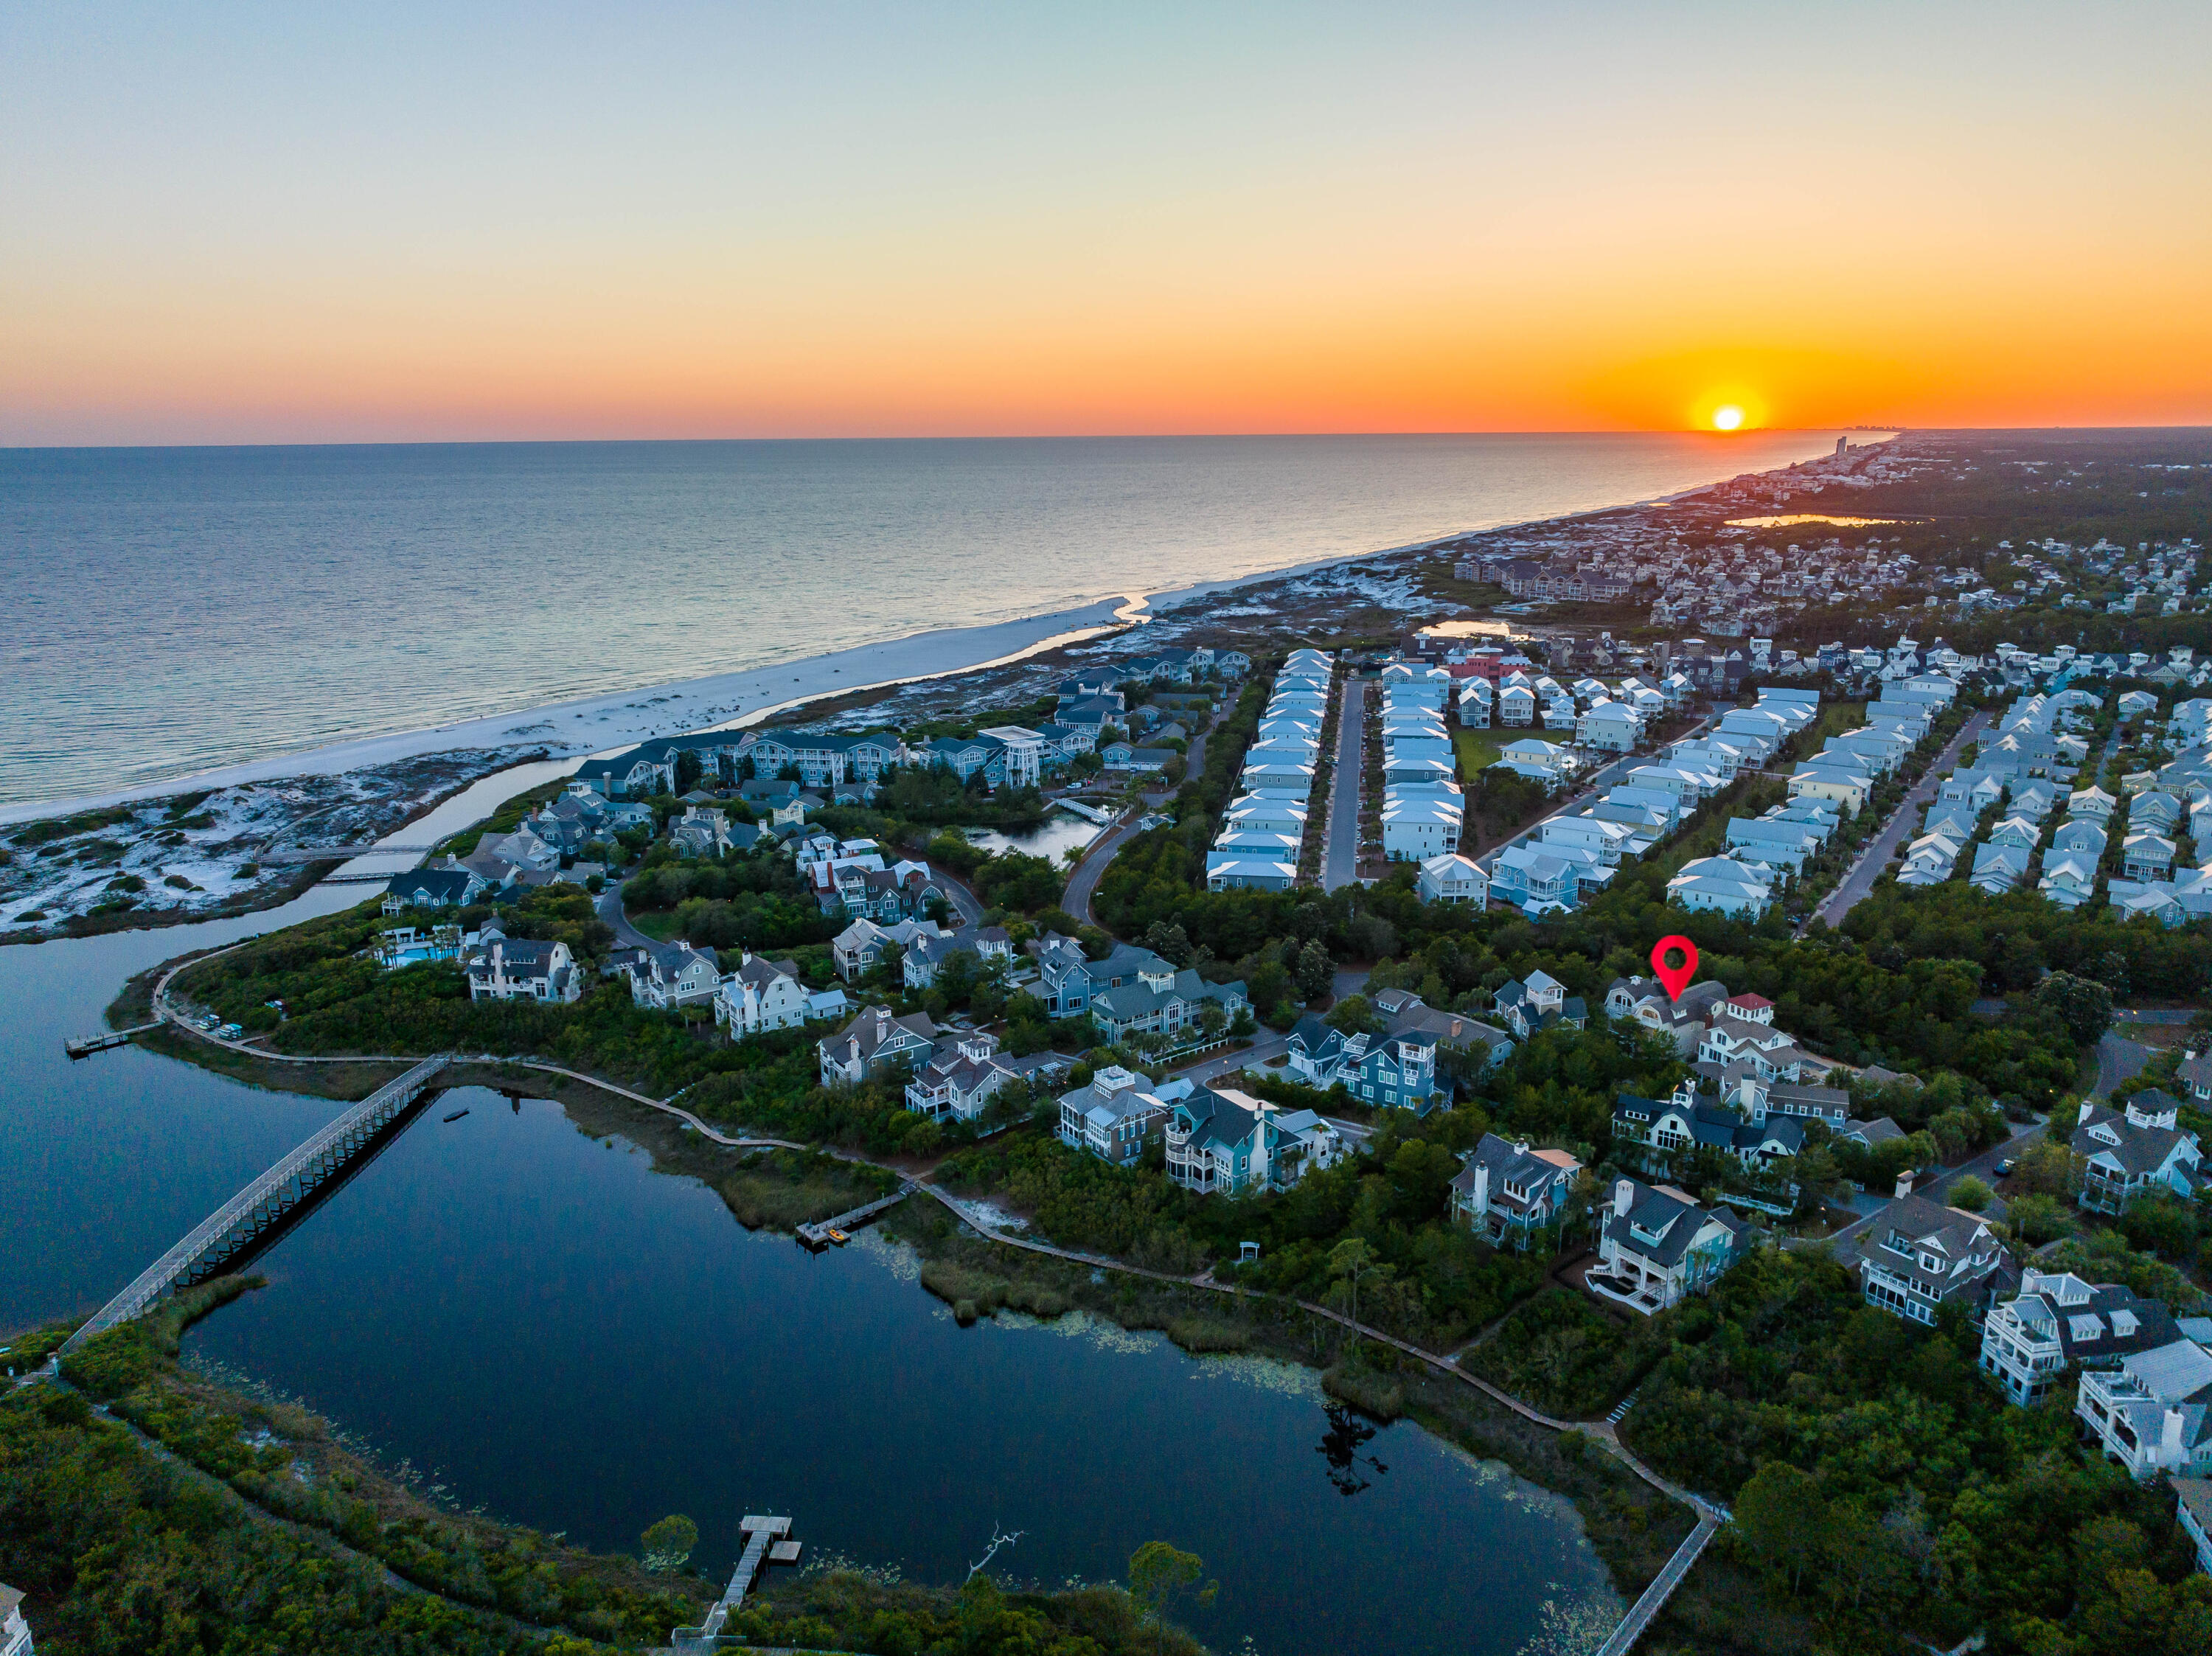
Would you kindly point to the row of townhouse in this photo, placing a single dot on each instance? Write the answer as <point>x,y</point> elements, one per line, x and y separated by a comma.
<point>1423,812</point>
<point>850,764</point>
<point>1262,831</point>
<point>1572,854</point>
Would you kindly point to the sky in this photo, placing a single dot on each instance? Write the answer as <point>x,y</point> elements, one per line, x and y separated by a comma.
<point>224,223</point>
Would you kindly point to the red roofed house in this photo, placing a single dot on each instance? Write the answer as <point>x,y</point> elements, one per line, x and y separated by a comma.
<point>1752,1008</point>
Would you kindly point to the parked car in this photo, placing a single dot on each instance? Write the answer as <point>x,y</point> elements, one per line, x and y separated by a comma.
<point>2005,1168</point>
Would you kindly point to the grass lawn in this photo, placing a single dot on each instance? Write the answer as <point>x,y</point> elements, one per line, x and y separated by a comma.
<point>1478,749</point>
<point>658,923</point>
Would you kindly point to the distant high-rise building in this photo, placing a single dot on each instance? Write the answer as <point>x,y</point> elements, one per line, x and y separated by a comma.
<point>1842,444</point>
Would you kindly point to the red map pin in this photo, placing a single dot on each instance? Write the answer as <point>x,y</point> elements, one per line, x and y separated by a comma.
<point>1676,977</point>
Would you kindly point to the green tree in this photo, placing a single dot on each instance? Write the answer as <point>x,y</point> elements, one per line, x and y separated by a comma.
<point>668,1542</point>
<point>1160,1575</point>
<point>1315,971</point>
<point>1352,1261</point>
<point>2082,1004</point>
<point>1783,1518</point>
<point>1971,1194</point>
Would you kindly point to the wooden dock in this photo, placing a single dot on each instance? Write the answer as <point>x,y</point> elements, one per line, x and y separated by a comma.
<point>765,1544</point>
<point>86,1046</point>
<point>1640,1614</point>
<point>817,1237</point>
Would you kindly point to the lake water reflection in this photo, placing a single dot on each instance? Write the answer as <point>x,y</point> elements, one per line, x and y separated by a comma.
<point>581,1344</point>
<point>547,1325</point>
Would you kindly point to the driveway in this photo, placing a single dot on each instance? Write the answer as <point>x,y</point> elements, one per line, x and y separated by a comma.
<point>1205,1072</point>
<point>610,909</point>
<point>1856,884</point>
<point>1983,1166</point>
<point>1340,855</point>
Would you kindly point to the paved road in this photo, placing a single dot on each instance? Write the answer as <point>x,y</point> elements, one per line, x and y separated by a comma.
<point>1856,884</point>
<point>610,909</point>
<point>2118,1059</point>
<point>1084,880</point>
<point>1340,855</point>
<point>1268,1046</point>
<point>1983,1166</point>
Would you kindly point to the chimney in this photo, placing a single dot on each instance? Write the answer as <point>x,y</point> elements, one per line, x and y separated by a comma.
<point>2169,1438</point>
<point>1481,1188</point>
<point>1624,1197</point>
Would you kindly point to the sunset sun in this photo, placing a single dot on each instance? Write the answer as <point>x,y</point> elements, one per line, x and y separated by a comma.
<point>1727,417</point>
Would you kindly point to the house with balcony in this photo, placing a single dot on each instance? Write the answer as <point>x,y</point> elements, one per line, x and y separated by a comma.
<point>1916,1255</point>
<point>2057,1321</point>
<point>761,995</point>
<point>1535,881</point>
<point>2153,1413</point>
<point>873,1044</point>
<point>501,967</point>
<point>1687,1119</point>
<point>1507,1192</point>
<point>1657,1247</point>
<point>1162,999</point>
<point>1221,1140</point>
<point>961,1074</point>
<point>1724,885</point>
<point>1452,879</point>
<point>674,974</point>
<point>1526,1005</point>
<point>1118,1113</point>
<point>2138,1147</point>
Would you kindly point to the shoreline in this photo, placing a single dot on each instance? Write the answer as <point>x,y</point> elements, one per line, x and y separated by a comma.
<point>621,718</point>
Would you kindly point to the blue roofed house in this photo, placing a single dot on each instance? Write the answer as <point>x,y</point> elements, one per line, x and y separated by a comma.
<point>1067,980</point>
<point>1226,1141</point>
<point>1534,881</point>
<point>872,1043</point>
<point>432,888</point>
<point>629,774</point>
<point>1536,1003</point>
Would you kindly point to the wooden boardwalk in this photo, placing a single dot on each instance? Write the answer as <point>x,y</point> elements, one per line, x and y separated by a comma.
<point>86,1046</point>
<point>216,1240</point>
<point>818,1236</point>
<point>1662,1585</point>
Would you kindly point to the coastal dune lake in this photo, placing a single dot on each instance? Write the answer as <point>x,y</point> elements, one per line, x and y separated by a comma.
<point>177,609</point>
<point>541,1324</point>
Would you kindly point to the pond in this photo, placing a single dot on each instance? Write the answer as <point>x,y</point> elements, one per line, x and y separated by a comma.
<point>560,1333</point>
<point>1060,832</point>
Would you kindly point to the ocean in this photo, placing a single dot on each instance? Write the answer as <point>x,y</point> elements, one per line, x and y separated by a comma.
<point>173,610</point>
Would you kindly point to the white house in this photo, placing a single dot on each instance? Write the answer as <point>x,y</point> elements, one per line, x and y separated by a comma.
<point>2136,1149</point>
<point>1725,886</point>
<point>1655,1245</point>
<point>2149,1414</point>
<point>1452,878</point>
<point>501,967</point>
<point>2056,1321</point>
